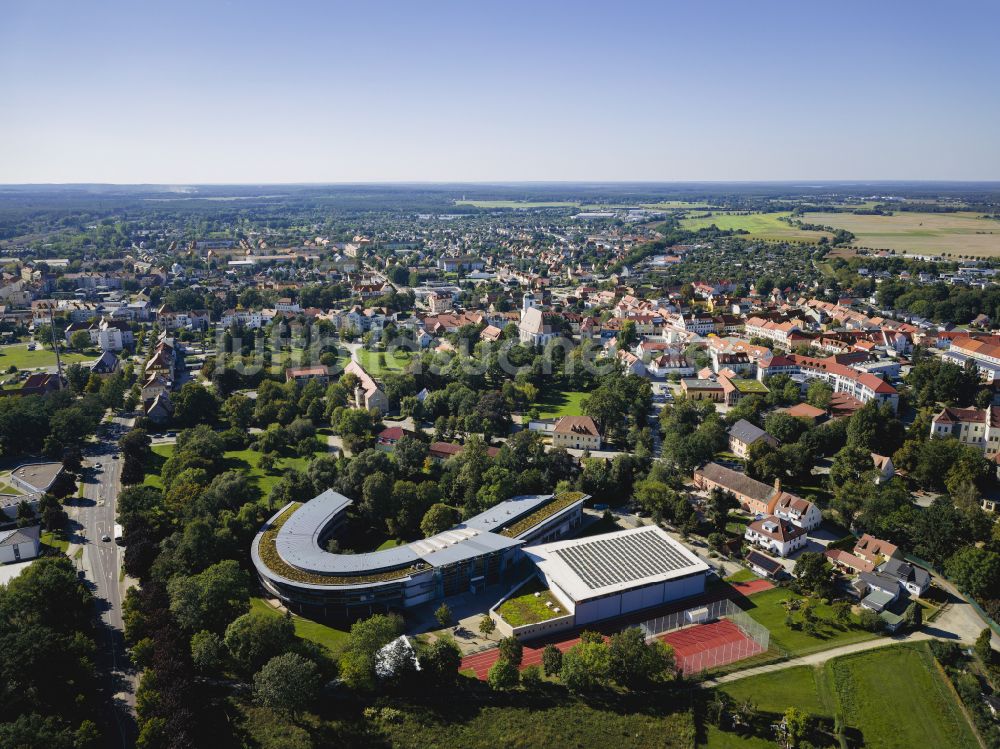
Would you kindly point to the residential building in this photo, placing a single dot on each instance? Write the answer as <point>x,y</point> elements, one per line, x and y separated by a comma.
<point>743,435</point>
<point>19,544</point>
<point>576,432</point>
<point>778,536</point>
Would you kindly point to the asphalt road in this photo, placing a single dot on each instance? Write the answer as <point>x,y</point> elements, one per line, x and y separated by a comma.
<point>101,562</point>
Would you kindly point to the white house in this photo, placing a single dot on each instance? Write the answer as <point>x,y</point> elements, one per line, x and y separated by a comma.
<point>778,536</point>
<point>19,544</point>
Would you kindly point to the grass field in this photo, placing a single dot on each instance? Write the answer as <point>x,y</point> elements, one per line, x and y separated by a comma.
<point>894,696</point>
<point>899,699</point>
<point>553,403</point>
<point>775,692</point>
<point>330,638</point>
<point>56,540</point>
<point>20,357</point>
<point>919,233</point>
<point>762,225</point>
<point>766,607</point>
<point>378,363</point>
<point>245,461</point>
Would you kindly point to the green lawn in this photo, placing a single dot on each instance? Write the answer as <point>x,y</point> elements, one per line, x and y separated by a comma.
<point>20,357</point>
<point>898,698</point>
<point>245,461</point>
<point>895,696</point>
<point>553,403</point>
<point>378,363</point>
<point>743,576</point>
<point>527,608</point>
<point>766,607</point>
<point>56,540</point>
<point>775,692</point>
<point>391,543</point>
<point>330,638</point>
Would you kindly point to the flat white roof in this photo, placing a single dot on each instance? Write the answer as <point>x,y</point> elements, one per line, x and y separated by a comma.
<point>614,562</point>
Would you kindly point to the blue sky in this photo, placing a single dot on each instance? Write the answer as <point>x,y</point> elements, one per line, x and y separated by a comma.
<point>298,91</point>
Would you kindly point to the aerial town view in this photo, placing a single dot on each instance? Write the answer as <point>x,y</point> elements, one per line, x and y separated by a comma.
<point>472,376</point>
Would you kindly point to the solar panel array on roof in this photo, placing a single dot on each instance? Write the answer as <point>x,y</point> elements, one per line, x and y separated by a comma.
<point>621,559</point>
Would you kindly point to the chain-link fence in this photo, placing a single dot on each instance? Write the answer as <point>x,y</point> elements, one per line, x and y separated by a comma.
<point>709,636</point>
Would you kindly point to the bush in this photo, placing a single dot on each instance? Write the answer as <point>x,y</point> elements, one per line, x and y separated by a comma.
<point>870,621</point>
<point>503,675</point>
<point>511,650</point>
<point>531,677</point>
<point>552,659</point>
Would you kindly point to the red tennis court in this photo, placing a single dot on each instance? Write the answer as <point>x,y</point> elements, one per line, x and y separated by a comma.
<point>705,646</point>
<point>696,648</point>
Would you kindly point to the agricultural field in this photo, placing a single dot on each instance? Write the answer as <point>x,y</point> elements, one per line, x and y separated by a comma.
<point>895,696</point>
<point>19,356</point>
<point>525,204</point>
<point>760,225</point>
<point>919,233</point>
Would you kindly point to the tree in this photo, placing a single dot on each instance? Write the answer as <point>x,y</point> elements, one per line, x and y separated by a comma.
<point>438,518</point>
<point>287,683</point>
<point>255,638</point>
<point>552,660</point>
<point>502,675</point>
<point>819,394</point>
<point>870,621</point>
<point>211,599</point>
<point>207,651</point>
<point>366,639</point>
<point>238,411</point>
<point>984,646</point>
<point>441,661</point>
<point>511,650</point>
<point>80,340</point>
<point>914,616</point>
<point>634,662</point>
<point>135,447</point>
<point>792,728</point>
<point>531,677</point>
<point>443,615</point>
<point>586,666</point>
<point>812,572</point>
<point>487,626</point>
<point>975,570</point>
<point>194,404</point>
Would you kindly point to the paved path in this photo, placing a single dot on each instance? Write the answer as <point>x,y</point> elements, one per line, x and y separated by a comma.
<point>815,659</point>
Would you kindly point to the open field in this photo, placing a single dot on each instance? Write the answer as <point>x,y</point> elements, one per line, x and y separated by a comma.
<point>553,403</point>
<point>776,691</point>
<point>378,363</point>
<point>18,355</point>
<point>330,638</point>
<point>519,203</point>
<point>895,696</point>
<point>761,225</point>
<point>919,233</point>
<point>244,461</point>
<point>898,698</point>
<point>767,608</point>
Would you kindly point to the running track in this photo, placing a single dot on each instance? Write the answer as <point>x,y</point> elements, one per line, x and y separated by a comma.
<point>687,643</point>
